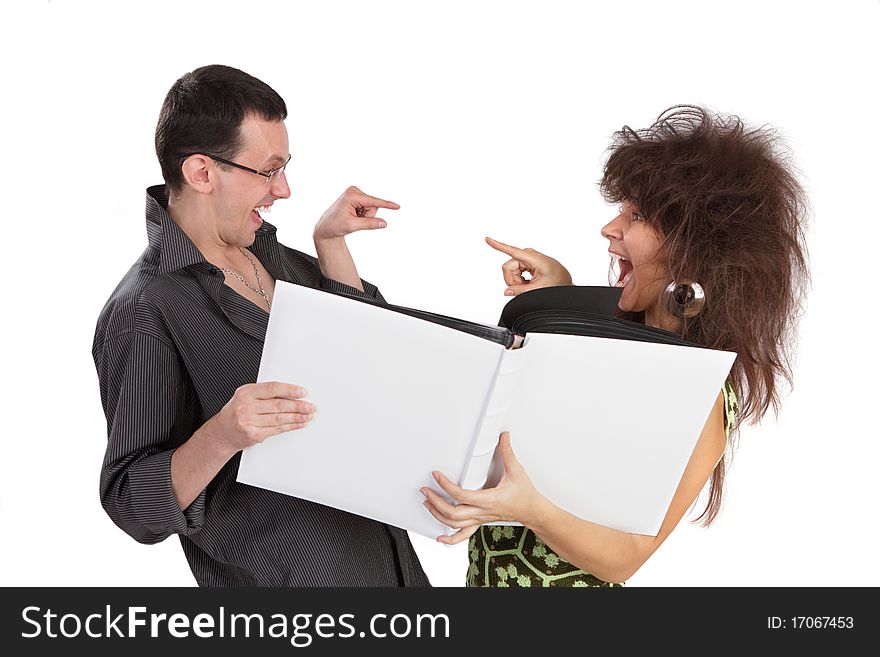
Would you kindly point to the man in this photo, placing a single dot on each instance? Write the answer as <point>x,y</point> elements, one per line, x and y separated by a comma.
<point>178,347</point>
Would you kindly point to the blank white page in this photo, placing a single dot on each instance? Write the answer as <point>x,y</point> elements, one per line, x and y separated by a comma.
<point>605,427</point>
<point>397,397</point>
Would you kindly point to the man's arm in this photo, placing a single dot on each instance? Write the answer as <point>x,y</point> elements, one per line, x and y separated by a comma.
<point>353,211</point>
<point>255,412</point>
<point>336,262</point>
<point>158,464</point>
<point>144,391</point>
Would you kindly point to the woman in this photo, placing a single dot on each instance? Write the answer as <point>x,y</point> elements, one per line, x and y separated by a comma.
<point>708,243</point>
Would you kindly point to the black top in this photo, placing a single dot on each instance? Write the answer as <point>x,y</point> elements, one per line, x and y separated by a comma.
<point>172,344</point>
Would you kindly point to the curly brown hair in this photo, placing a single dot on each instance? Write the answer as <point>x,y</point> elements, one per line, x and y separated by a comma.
<point>731,213</point>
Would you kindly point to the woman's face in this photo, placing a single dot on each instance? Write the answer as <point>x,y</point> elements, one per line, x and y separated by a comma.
<point>634,248</point>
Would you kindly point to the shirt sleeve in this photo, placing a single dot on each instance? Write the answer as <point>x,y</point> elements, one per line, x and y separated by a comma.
<point>150,411</point>
<point>370,290</point>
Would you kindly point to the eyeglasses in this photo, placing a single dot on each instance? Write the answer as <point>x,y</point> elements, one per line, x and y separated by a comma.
<point>268,175</point>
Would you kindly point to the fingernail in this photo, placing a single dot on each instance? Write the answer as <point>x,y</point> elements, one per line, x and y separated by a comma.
<point>424,491</point>
<point>436,475</point>
<point>382,224</point>
<point>508,293</point>
<point>302,392</point>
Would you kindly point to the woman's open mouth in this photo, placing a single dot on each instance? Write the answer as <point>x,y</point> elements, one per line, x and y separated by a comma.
<point>620,271</point>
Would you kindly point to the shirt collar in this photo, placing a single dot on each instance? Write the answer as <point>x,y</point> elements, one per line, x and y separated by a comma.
<point>176,249</point>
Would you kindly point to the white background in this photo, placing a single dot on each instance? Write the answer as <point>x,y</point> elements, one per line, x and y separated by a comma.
<point>479,118</point>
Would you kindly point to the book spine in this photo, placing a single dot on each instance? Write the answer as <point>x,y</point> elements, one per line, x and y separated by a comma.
<point>478,471</point>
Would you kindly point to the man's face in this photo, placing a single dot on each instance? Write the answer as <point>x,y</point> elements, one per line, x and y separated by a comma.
<point>239,193</point>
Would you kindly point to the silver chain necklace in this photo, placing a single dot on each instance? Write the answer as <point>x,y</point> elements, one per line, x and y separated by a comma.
<point>261,291</point>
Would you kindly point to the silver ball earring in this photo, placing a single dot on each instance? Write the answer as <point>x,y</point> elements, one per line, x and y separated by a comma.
<point>684,299</point>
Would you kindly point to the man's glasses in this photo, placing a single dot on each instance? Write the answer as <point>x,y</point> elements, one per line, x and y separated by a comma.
<point>268,175</point>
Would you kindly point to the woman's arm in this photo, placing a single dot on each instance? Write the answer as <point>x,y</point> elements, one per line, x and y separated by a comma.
<point>615,556</point>
<point>543,271</point>
<point>609,554</point>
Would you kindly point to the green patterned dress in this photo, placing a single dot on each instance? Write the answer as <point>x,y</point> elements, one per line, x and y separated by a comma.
<point>515,556</point>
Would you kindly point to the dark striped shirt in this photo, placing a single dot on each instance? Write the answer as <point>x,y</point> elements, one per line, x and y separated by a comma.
<point>172,344</point>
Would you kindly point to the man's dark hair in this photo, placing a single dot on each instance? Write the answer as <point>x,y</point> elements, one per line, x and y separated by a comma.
<point>203,113</point>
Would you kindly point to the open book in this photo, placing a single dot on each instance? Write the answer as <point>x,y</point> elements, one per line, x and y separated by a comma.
<point>603,413</point>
